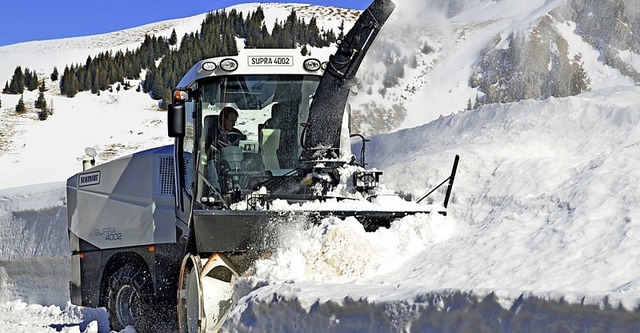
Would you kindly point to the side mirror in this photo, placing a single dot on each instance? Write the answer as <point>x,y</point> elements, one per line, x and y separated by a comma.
<point>175,121</point>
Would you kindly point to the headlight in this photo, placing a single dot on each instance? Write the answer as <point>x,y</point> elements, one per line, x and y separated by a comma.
<point>209,66</point>
<point>228,65</point>
<point>311,65</point>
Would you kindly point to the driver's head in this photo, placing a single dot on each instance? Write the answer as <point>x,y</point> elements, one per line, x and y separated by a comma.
<point>228,118</point>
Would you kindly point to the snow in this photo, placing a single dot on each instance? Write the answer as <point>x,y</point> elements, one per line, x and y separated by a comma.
<point>541,233</point>
<point>600,76</point>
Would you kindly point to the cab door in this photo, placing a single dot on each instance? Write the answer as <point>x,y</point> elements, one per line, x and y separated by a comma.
<point>184,164</point>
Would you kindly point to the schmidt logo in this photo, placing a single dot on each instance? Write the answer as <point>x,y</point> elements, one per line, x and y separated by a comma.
<point>87,179</point>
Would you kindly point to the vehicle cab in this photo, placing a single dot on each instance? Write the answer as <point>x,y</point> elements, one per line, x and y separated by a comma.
<point>271,90</point>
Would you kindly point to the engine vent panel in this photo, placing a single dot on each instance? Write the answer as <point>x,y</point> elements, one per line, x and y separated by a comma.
<point>166,175</point>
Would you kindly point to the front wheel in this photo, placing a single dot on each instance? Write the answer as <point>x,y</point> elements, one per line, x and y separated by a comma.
<point>205,294</point>
<point>128,298</point>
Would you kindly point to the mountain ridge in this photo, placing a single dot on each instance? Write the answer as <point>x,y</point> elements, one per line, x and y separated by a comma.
<point>495,43</point>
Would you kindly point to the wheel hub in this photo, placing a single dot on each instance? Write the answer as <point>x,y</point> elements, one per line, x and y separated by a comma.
<point>127,305</point>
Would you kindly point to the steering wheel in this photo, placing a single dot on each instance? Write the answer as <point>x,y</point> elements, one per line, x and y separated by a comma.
<point>232,134</point>
<point>233,138</point>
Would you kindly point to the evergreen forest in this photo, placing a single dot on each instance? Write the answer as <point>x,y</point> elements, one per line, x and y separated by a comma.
<point>166,60</point>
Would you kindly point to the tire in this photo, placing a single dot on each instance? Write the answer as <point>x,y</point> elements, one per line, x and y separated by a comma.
<point>129,299</point>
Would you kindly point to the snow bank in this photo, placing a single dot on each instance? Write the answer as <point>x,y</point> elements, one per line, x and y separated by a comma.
<point>541,234</point>
<point>34,246</point>
<point>35,264</point>
<point>363,309</point>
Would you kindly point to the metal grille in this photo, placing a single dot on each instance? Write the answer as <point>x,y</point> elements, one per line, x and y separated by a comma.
<point>166,175</point>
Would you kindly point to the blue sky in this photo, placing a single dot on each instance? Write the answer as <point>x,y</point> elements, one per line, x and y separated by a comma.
<point>28,20</point>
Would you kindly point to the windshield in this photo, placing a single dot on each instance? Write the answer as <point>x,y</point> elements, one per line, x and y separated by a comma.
<point>251,129</point>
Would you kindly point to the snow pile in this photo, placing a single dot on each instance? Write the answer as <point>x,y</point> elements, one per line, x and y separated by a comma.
<point>341,251</point>
<point>20,317</point>
<point>551,186</point>
<point>544,225</point>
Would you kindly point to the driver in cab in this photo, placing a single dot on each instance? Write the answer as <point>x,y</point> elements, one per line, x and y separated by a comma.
<point>227,133</point>
<point>220,135</point>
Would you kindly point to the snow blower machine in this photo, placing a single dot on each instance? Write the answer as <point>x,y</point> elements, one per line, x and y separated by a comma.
<point>261,140</point>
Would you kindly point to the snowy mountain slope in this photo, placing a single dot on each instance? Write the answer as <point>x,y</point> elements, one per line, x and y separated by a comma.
<point>564,165</point>
<point>407,78</point>
<point>25,139</point>
<point>541,234</point>
<point>114,124</point>
<point>42,56</point>
<point>438,58</point>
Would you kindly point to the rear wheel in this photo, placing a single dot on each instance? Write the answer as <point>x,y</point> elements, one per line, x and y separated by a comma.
<point>128,298</point>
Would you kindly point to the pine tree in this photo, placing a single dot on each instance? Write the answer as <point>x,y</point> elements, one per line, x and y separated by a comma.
<point>27,77</point>
<point>313,32</point>
<point>69,82</point>
<point>341,29</point>
<point>166,98</point>
<point>88,79</point>
<point>41,102</point>
<point>413,62</point>
<point>579,79</point>
<point>61,84</point>
<point>173,40</point>
<point>20,108</point>
<point>43,115</point>
<point>54,74</point>
<point>94,83</point>
<point>33,82</point>
<point>329,37</point>
<point>103,79</point>
<point>17,82</point>
<point>291,30</point>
